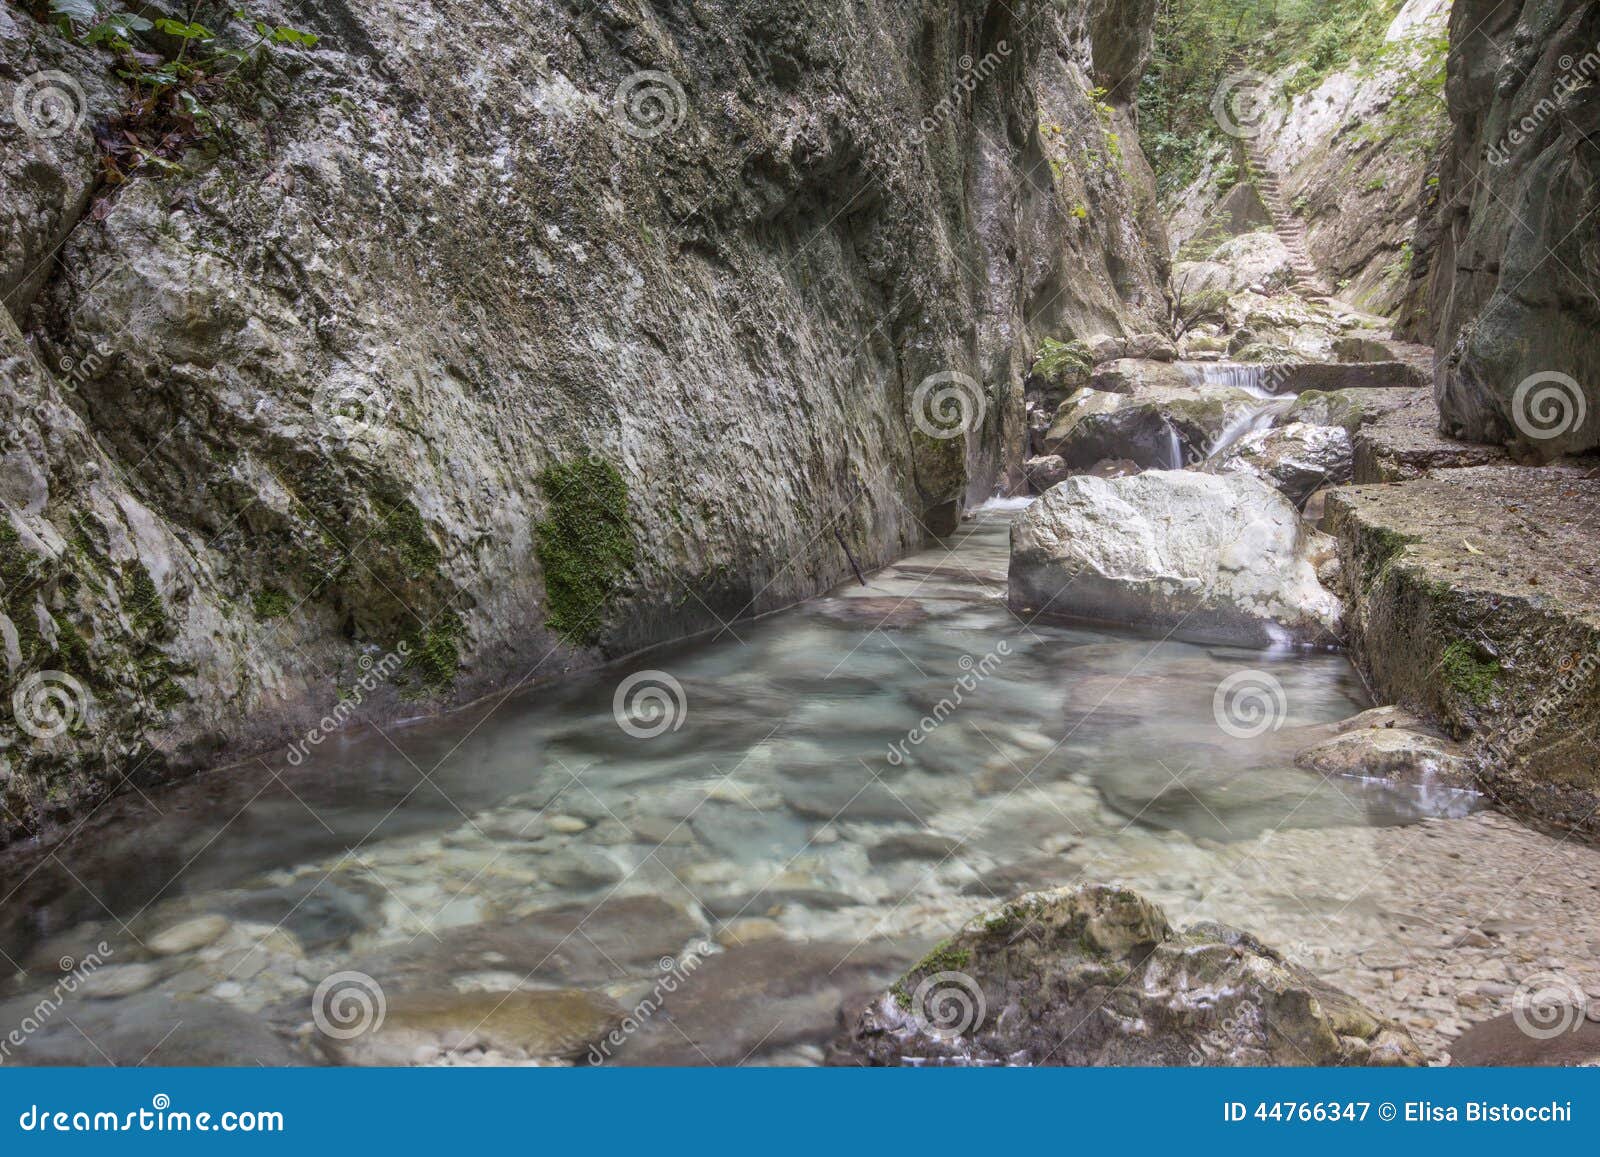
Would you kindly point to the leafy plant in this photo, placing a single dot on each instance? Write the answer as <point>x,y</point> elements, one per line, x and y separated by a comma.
<point>177,70</point>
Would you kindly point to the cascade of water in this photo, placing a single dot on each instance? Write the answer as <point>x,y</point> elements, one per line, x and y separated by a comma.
<point>1260,380</point>
<point>1246,423</point>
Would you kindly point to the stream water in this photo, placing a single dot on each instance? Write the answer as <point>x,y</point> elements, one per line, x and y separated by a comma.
<point>825,792</point>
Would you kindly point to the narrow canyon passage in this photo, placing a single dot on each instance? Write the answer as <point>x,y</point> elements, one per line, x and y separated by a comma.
<point>808,803</point>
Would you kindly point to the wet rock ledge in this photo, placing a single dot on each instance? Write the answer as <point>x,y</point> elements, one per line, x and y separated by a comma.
<point>1474,599</point>
<point>1095,976</point>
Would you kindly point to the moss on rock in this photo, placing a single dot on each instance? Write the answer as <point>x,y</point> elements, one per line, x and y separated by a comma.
<point>584,543</point>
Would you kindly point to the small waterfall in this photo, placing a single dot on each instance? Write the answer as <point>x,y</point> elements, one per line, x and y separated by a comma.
<point>1175,448</point>
<point>1264,381</point>
<point>1246,423</point>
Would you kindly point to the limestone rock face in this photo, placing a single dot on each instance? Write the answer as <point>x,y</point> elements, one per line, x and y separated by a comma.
<point>1351,155</point>
<point>719,281</point>
<point>1511,269</point>
<point>1096,976</point>
<point>1208,557</point>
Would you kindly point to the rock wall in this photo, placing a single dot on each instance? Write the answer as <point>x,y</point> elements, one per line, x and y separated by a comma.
<point>483,340</point>
<point>1351,153</point>
<point>1510,262</point>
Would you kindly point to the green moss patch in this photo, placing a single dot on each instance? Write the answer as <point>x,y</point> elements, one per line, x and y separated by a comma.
<point>585,545</point>
<point>433,654</point>
<point>271,603</point>
<point>1467,674</point>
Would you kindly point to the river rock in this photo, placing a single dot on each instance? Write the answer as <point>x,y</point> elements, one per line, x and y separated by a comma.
<point>1043,473</point>
<point>1351,409</point>
<point>187,936</point>
<point>1390,745</point>
<point>151,1029</point>
<point>1094,975</point>
<point>1213,558</point>
<point>1252,259</point>
<point>755,998</point>
<point>1297,459</point>
<point>560,1024</point>
<point>118,980</point>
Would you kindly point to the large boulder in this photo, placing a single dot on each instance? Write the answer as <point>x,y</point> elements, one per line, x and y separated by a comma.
<point>1096,976</point>
<point>1298,459</point>
<point>1254,259</point>
<point>1223,558</point>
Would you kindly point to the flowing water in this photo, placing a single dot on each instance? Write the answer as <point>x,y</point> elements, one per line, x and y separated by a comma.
<point>825,791</point>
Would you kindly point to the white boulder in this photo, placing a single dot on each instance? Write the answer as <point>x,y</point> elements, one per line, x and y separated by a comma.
<point>1209,558</point>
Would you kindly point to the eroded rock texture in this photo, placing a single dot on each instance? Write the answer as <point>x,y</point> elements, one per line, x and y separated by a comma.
<point>495,336</point>
<point>1512,260</point>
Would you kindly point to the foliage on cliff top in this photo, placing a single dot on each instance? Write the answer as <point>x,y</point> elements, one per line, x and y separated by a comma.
<point>1199,43</point>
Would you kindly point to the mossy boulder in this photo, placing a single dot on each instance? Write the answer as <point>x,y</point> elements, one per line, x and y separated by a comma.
<point>1095,975</point>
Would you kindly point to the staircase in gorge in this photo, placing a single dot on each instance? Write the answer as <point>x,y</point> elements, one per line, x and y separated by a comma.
<point>1289,228</point>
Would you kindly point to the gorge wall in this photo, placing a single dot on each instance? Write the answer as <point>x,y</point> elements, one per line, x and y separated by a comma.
<point>482,340</point>
<point>1509,261</point>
